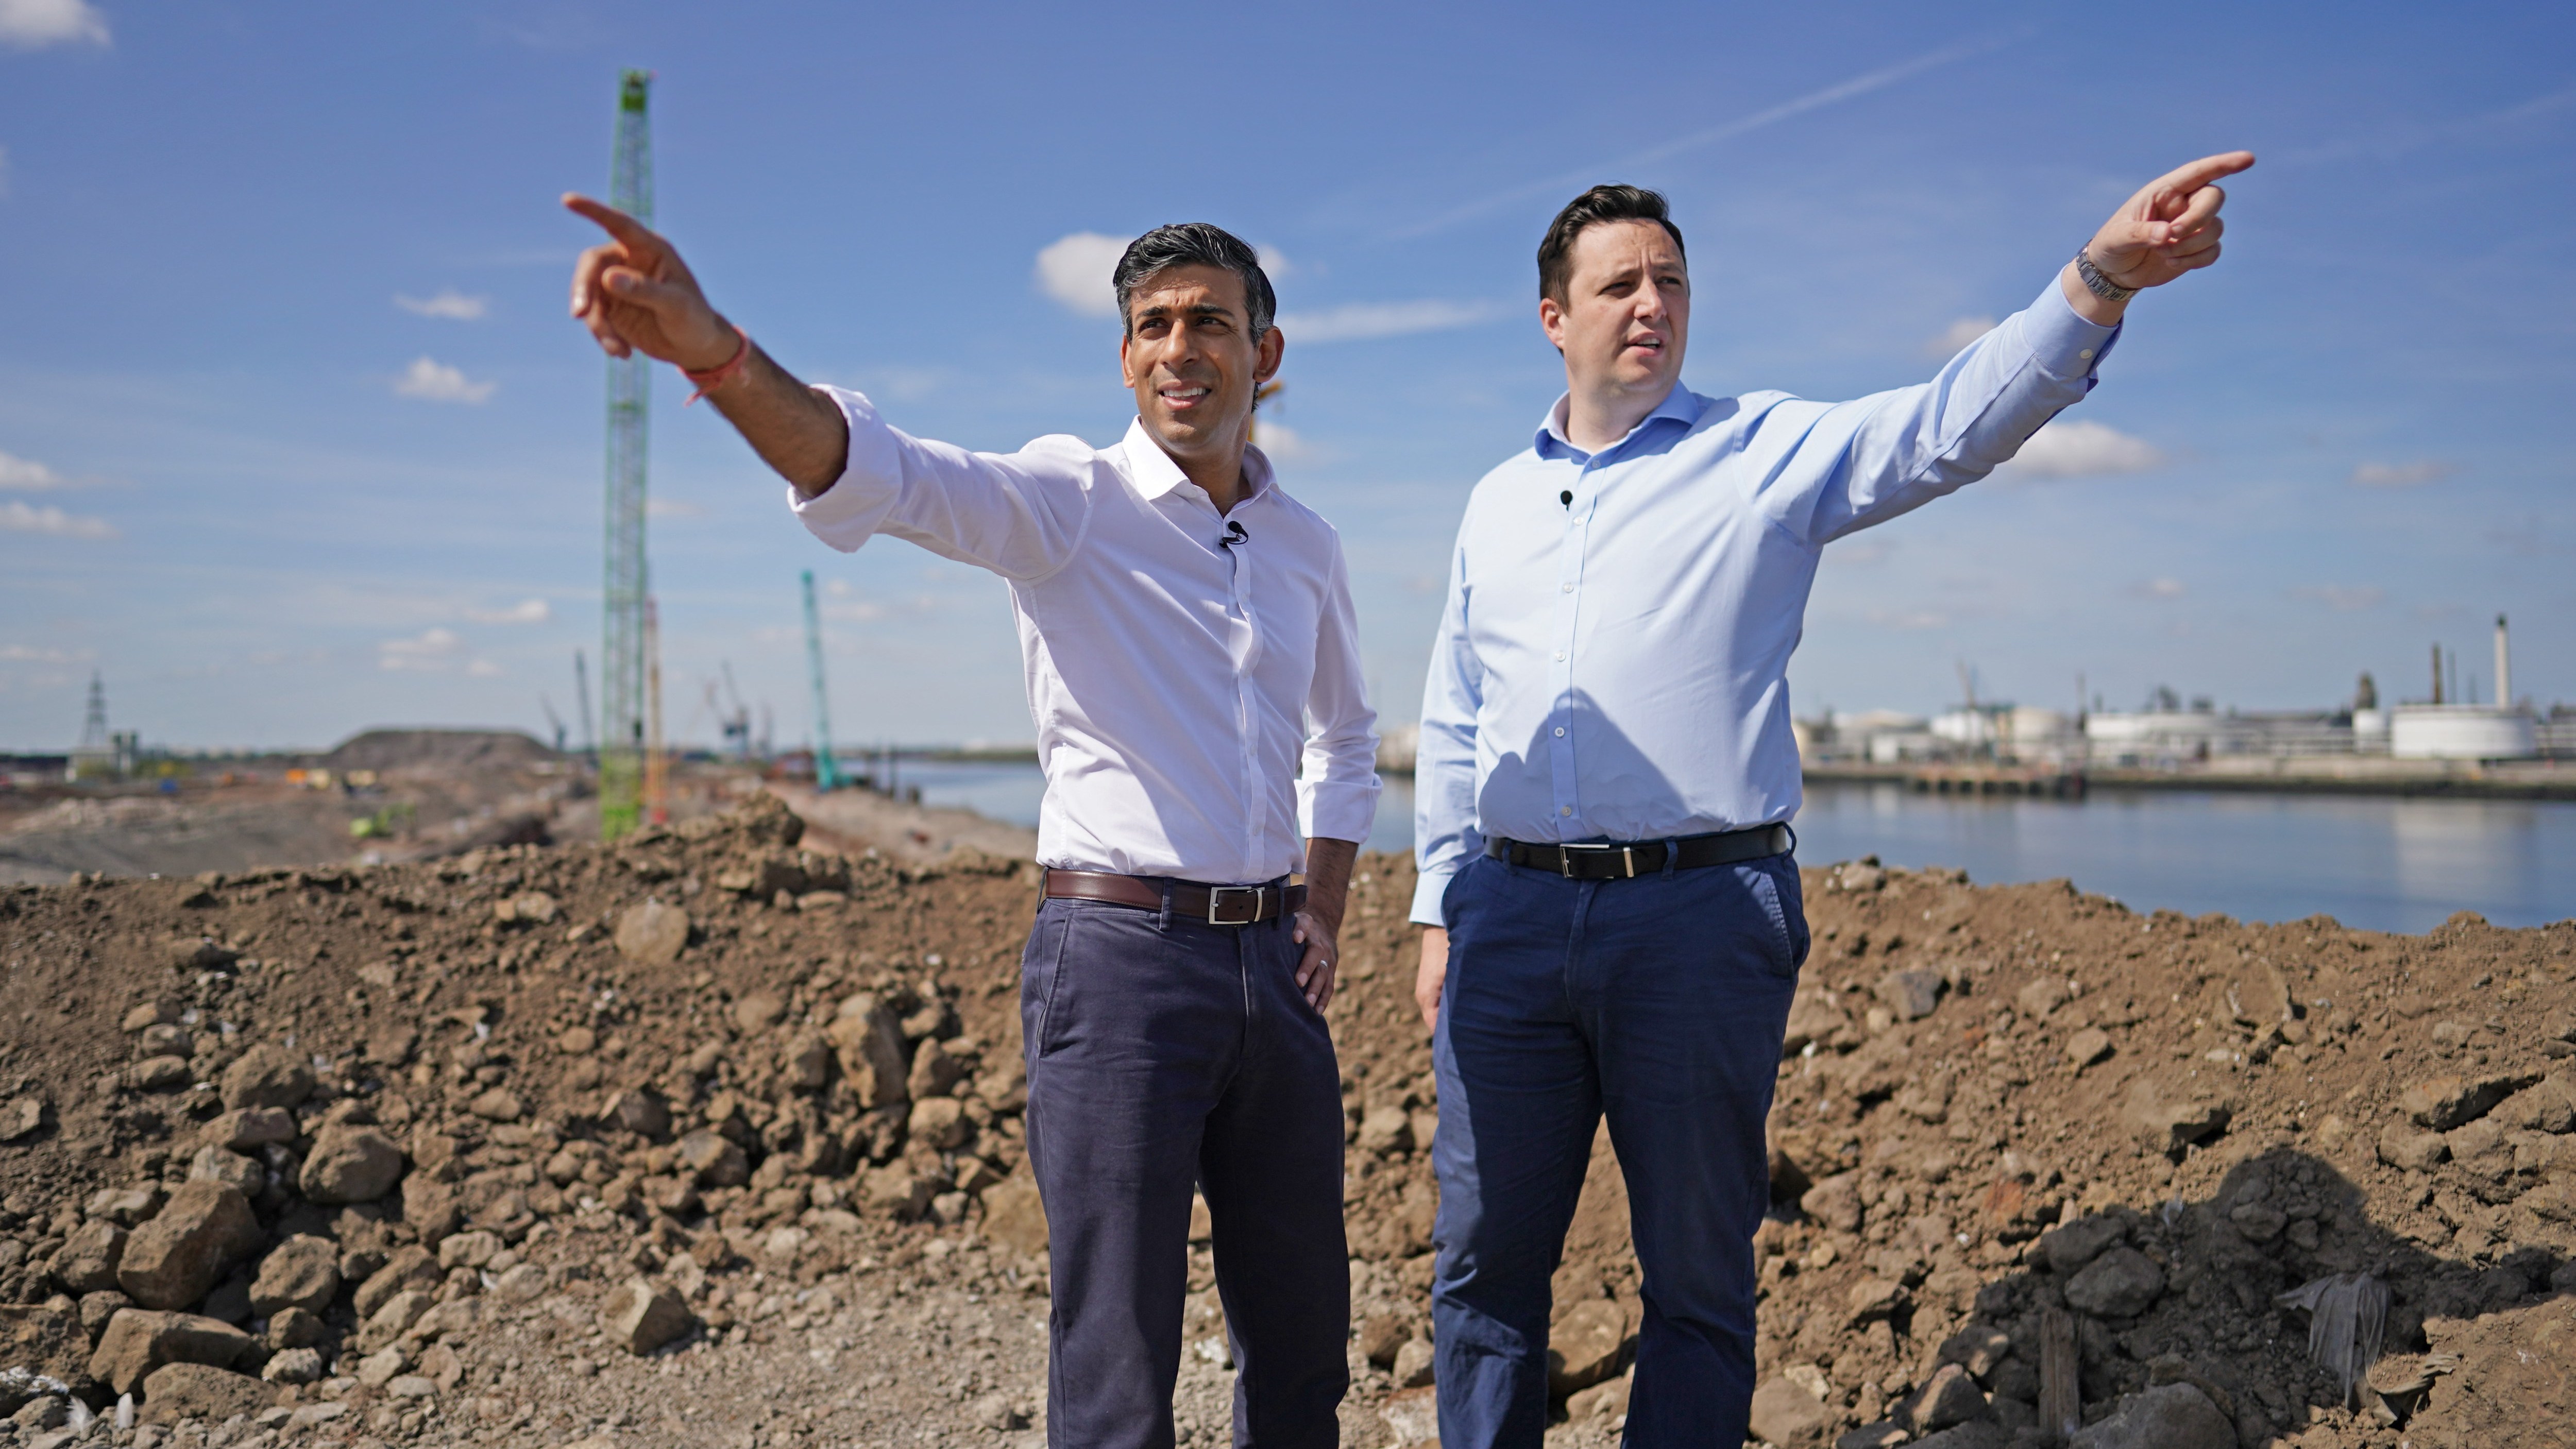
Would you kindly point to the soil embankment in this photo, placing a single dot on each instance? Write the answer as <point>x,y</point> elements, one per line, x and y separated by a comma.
<point>423,1153</point>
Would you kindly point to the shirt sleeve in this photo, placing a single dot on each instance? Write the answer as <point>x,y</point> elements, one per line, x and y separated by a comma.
<point>1337,789</point>
<point>1021,515</point>
<point>1824,470</point>
<point>1444,762</point>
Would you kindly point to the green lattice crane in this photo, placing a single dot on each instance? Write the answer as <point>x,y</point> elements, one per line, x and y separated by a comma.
<point>827,768</point>
<point>627,578</point>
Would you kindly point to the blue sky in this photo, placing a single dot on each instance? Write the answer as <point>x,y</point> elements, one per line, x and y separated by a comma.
<point>295,437</point>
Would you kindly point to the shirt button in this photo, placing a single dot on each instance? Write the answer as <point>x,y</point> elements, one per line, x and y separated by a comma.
<point>2086,354</point>
<point>1565,588</point>
<point>1560,656</point>
<point>1564,809</point>
<point>1560,732</point>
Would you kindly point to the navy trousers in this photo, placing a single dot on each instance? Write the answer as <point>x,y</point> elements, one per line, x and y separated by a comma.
<point>1163,1052</point>
<point>1661,1002</point>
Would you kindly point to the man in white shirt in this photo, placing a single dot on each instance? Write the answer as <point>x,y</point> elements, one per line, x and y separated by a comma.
<point>1187,633</point>
<point>1606,775</point>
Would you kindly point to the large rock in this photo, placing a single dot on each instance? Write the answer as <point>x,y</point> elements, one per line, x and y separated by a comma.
<point>939,1122</point>
<point>219,1164</point>
<point>138,1342</point>
<point>2405,1147</point>
<point>411,1266</point>
<point>267,1075</point>
<point>1014,1217</point>
<point>868,1037</point>
<point>2069,1248</point>
<point>652,934</point>
<point>351,1164</point>
<point>2121,1283</point>
<point>2441,1103</point>
<point>303,1272</point>
<point>47,1342</point>
<point>172,1260</point>
<point>2170,1122</point>
<point>431,1207</point>
<point>639,1317</point>
<point>1789,1417</point>
<point>249,1129</point>
<point>195,1391</point>
<point>1911,995</point>
<point>2173,1416</point>
<point>1584,1345</point>
<point>640,1111</point>
<point>89,1257</point>
<point>1950,1398</point>
<point>392,1320</point>
<point>713,1160</point>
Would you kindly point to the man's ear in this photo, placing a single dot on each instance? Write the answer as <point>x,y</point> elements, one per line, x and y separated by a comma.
<point>1126,370</point>
<point>1266,357</point>
<point>1551,320</point>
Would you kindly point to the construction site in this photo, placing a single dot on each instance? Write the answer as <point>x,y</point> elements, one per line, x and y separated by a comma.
<point>458,1087</point>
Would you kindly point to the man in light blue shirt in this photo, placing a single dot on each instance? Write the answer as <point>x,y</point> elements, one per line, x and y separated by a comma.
<point>1606,773</point>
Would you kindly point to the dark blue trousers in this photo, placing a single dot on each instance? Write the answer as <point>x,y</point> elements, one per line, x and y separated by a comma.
<point>1661,1002</point>
<point>1163,1052</point>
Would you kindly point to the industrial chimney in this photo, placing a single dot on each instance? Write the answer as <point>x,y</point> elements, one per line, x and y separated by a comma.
<point>2504,669</point>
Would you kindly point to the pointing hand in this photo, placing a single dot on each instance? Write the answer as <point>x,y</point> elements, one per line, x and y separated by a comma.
<point>635,295</point>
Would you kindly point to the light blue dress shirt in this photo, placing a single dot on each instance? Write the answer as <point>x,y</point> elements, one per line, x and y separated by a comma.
<point>1615,667</point>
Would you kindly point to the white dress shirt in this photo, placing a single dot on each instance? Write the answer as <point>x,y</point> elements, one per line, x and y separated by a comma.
<point>1616,667</point>
<point>1174,676</point>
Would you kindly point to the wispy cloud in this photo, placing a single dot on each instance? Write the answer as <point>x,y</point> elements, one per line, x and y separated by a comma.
<point>1285,444</point>
<point>36,654</point>
<point>1859,85</point>
<point>450,304</point>
<point>437,382</point>
<point>2343,598</point>
<point>430,649</point>
<point>1361,321</point>
<point>2161,589</point>
<point>26,475</point>
<point>2083,449</point>
<point>2402,135</point>
<point>16,517</point>
<point>1074,269</point>
<point>672,508</point>
<point>35,24</point>
<point>2402,475</point>
<point>526,611</point>
<point>1957,335</point>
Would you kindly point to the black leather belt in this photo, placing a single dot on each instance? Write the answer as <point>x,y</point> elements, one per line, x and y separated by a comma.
<point>1622,860</point>
<point>1216,905</point>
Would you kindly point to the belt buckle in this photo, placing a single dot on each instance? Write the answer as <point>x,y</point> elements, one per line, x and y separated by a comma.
<point>1627,859</point>
<point>1217,897</point>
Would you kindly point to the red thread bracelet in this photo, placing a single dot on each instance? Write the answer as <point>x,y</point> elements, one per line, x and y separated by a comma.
<point>717,377</point>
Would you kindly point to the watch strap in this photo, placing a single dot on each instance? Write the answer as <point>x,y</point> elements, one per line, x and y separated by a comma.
<point>2095,282</point>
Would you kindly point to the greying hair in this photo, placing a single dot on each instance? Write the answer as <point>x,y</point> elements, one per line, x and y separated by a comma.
<point>1196,244</point>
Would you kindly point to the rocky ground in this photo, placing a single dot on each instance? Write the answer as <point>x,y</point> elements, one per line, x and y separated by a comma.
<point>712,1137</point>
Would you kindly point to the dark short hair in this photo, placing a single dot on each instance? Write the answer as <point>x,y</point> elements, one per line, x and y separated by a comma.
<point>1196,244</point>
<point>1612,202</point>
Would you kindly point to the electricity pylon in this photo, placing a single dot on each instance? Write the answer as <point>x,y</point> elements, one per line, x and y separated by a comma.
<point>622,646</point>
<point>827,770</point>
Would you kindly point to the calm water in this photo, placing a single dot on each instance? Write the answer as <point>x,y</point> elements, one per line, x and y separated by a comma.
<point>2385,864</point>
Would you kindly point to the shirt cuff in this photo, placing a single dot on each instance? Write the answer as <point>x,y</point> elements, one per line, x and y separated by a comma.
<point>858,499</point>
<point>2066,345</point>
<point>1427,892</point>
<point>1337,809</point>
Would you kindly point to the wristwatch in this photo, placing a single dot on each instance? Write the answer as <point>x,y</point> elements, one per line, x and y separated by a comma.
<point>2098,284</point>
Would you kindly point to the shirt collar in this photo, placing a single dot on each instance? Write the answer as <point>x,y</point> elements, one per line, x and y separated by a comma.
<point>1681,405</point>
<point>1155,474</point>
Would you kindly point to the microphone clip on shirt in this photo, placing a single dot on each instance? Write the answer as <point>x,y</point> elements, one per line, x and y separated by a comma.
<point>1234,534</point>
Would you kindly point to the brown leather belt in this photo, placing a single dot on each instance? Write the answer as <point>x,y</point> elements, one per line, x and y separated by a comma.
<point>1216,905</point>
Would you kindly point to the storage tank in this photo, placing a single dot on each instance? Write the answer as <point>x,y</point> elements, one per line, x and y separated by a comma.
<point>2459,732</point>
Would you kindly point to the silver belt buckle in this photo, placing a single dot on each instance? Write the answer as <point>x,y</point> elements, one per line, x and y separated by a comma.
<point>1627,859</point>
<point>1218,895</point>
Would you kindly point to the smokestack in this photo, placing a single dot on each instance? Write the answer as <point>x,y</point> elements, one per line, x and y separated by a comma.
<point>2504,668</point>
<point>2437,674</point>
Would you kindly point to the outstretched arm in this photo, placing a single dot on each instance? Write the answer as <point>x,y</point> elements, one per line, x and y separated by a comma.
<point>636,295</point>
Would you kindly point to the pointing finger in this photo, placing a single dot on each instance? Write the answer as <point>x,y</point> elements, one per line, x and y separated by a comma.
<point>2194,175</point>
<point>616,223</point>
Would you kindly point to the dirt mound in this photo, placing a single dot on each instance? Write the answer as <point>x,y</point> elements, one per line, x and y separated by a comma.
<point>436,749</point>
<point>710,1137</point>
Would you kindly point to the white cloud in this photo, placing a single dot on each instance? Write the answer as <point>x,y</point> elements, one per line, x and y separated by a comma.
<point>33,654</point>
<point>672,508</point>
<point>2401,475</point>
<point>1074,269</point>
<point>16,517</point>
<point>526,611</point>
<point>2083,450</point>
<point>450,304</point>
<point>483,669</point>
<point>437,382</point>
<point>1908,619</point>
<point>2344,598</point>
<point>1363,320</point>
<point>1283,443</point>
<point>1274,263</point>
<point>35,24</point>
<point>1957,335</point>
<point>26,475</point>
<point>2159,589</point>
<point>430,649</point>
